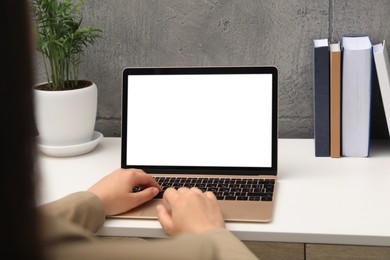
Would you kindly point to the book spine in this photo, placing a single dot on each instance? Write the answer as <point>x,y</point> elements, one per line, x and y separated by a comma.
<point>335,104</point>
<point>321,101</point>
<point>383,71</point>
<point>356,102</point>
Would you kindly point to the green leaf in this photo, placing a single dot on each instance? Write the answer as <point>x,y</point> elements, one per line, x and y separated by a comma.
<point>61,38</point>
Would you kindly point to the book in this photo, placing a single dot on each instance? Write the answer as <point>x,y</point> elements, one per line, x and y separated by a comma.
<point>382,64</point>
<point>357,62</point>
<point>335,100</point>
<point>321,97</point>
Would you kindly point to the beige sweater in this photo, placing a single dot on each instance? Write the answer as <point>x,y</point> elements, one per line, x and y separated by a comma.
<point>69,225</point>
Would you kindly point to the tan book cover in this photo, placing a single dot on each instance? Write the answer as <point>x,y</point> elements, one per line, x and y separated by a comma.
<point>335,100</point>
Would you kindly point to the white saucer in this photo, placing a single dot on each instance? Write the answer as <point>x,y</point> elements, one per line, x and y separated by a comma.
<point>72,150</point>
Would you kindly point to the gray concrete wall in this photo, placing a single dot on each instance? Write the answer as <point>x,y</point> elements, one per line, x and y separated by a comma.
<point>226,32</point>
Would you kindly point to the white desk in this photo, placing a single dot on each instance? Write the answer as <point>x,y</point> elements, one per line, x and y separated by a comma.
<point>319,200</point>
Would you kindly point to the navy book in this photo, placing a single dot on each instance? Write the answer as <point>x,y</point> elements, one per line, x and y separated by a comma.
<point>321,94</point>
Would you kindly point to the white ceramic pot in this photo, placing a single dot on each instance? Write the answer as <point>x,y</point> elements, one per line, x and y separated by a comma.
<point>66,117</point>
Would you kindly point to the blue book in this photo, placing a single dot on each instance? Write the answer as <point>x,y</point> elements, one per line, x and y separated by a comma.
<point>321,93</point>
<point>357,63</point>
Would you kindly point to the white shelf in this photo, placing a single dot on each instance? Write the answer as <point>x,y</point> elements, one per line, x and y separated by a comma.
<point>318,200</point>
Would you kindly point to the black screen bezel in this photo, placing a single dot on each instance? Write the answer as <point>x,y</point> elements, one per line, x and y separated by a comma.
<point>196,169</point>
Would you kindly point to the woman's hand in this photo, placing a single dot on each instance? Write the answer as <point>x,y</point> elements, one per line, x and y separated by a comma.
<point>191,211</point>
<point>116,190</point>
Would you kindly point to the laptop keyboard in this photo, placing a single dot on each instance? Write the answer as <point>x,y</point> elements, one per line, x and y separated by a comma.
<point>223,188</point>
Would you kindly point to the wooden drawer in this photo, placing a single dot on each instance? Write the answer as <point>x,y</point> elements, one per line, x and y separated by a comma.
<point>342,252</point>
<point>277,251</point>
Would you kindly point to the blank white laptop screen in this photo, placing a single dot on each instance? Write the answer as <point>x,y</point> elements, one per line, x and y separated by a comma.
<point>199,120</point>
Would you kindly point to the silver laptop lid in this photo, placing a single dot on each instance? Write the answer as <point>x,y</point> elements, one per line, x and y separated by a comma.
<point>203,120</point>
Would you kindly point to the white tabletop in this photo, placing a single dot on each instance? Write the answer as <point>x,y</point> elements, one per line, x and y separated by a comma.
<point>319,199</point>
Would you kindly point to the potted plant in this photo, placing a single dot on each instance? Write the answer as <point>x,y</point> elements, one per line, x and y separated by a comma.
<point>65,105</point>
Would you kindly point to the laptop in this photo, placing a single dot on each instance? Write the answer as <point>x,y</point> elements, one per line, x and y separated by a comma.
<point>210,127</point>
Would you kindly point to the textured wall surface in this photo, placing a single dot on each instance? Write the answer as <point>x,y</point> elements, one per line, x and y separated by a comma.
<point>229,32</point>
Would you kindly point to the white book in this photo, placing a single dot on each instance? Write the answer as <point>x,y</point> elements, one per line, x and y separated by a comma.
<point>356,96</point>
<point>382,64</point>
